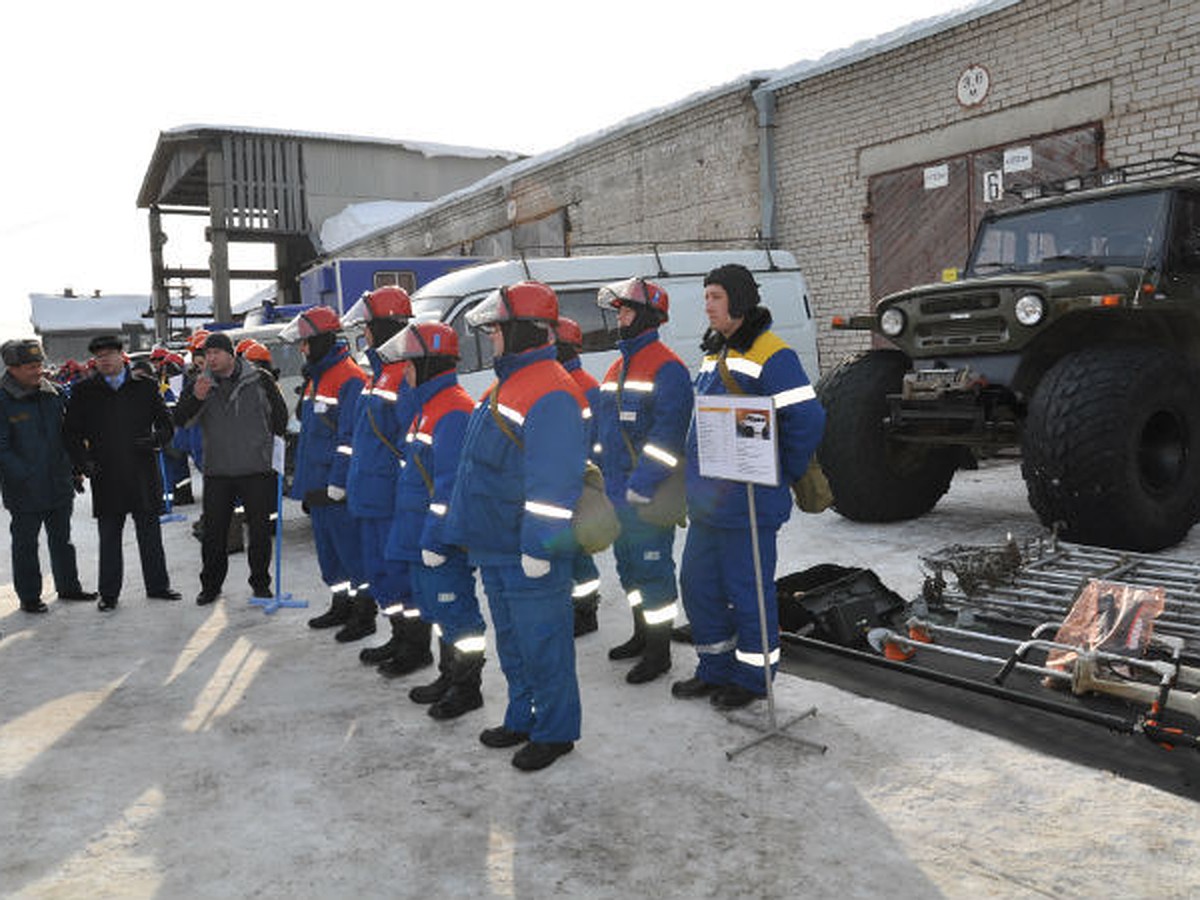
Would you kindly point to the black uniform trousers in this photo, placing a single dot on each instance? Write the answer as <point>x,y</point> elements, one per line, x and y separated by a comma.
<point>27,572</point>
<point>221,493</point>
<point>150,549</point>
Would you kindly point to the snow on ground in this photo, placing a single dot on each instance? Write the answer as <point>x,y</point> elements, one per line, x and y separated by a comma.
<point>171,750</point>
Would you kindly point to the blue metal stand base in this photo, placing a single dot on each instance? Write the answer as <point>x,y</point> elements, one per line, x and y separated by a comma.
<point>172,517</point>
<point>271,605</point>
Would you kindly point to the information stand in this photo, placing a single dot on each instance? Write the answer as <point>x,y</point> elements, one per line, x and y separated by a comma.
<point>737,440</point>
<point>271,605</point>
<point>169,515</point>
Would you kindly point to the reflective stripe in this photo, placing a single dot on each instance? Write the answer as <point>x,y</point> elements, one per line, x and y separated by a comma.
<point>412,613</point>
<point>345,450</point>
<point>609,386</point>
<point>585,587</point>
<point>437,631</point>
<point>635,598</point>
<point>328,401</point>
<point>597,448</point>
<point>661,455</point>
<point>185,481</point>
<point>659,616</point>
<point>365,586</point>
<point>424,438</point>
<point>239,510</point>
<point>586,412</point>
<point>549,510</point>
<point>438,509</point>
<point>476,643</point>
<point>627,416</point>
<point>393,609</point>
<point>385,394</point>
<point>756,659</point>
<point>509,413</point>
<point>745,366</point>
<point>708,365</point>
<point>795,395</point>
<point>719,647</point>
<point>641,387</point>
<point>340,586</point>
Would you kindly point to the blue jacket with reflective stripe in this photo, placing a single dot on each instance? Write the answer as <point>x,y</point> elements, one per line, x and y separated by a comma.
<point>331,391</point>
<point>374,465</point>
<point>769,368</point>
<point>511,499</point>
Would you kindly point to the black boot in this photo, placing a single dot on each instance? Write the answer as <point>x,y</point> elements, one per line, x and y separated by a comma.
<point>362,619</point>
<point>337,614</point>
<point>636,644</point>
<point>466,676</point>
<point>413,654</point>
<point>373,656</point>
<point>656,657</point>
<point>435,690</point>
<point>585,613</point>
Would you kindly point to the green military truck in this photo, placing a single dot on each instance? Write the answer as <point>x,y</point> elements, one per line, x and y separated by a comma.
<point>1072,335</point>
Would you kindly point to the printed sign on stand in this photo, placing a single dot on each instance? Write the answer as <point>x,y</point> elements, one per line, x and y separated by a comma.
<point>736,437</point>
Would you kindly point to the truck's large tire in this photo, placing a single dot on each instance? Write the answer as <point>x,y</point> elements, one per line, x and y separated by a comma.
<point>874,478</point>
<point>1111,448</point>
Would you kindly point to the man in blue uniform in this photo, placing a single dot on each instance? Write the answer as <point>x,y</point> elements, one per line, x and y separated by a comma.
<point>36,478</point>
<point>519,478</point>
<point>717,576</point>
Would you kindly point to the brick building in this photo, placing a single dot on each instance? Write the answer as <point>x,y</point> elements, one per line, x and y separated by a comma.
<point>872,165</point>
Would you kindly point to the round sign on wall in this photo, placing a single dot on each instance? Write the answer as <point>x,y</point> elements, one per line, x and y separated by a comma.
<point>973,85</point>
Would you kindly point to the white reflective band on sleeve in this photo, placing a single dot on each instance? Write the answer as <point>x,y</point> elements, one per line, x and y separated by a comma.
<point>438,509</point>
<point>707,365</point>
<point>239,510</point>
<point>640,387</point>
<point>585,587</point>
<point>795,395</point>
<point>627,416</point>
<point>437,631</point>
<point>756,659</point>
<point>394,609</point>
<point>385,394</point>
<point>635,598</point>
<point>745,366</point>
<point>409,438</point>
<point>659,616</point>
<point>328,401</point>
<point>412,613</point>
<point>365,586</point>
<point>345,450</point>
<point>667,459</point>
<point>473,644</point>
<point>597,448</point>
<point>719,647</point>
<point>340,586</point>
<point>587,412</point>
<point>609,387</point>
<point>548,510</point>
<point>509,413</point>
<point>424,438</point>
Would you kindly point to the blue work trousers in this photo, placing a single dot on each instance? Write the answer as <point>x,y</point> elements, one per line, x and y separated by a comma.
<point>336,539</point>
<point>446,596</point>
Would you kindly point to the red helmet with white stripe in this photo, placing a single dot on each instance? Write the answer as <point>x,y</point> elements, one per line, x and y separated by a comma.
<point>635,291</point>
<point>525,300</point>
<point>389,302</point>
<point>311,322</point>
<point>420,340</point>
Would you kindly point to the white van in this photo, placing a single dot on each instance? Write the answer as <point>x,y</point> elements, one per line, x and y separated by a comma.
<point>577,279</point>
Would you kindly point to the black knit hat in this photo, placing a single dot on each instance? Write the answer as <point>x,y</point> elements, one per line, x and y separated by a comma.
<point>22,351</point>
<point>105,342</point>
<point>218,340</point>
<point>739,284</point>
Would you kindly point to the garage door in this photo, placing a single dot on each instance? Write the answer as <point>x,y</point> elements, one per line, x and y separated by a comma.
<point>923,218</point>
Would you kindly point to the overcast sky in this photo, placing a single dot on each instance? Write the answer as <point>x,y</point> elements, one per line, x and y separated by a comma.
<point>88,86</point>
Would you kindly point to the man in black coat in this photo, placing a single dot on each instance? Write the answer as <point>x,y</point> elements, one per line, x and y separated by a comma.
<point>115,425</point>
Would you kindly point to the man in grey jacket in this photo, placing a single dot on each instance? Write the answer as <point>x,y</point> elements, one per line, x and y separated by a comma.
<point>240,412</point>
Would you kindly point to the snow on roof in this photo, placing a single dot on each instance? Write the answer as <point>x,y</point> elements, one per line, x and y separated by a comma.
<point>360,219</point>
<point>427,149</point>
<point>907,34</point>
<point>50,313</point>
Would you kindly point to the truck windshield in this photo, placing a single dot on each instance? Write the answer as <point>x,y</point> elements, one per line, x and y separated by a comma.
<point>1124,230</point>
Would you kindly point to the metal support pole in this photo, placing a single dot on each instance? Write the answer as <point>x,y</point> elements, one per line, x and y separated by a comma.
<point>271,605</point>
<point>772,729</point>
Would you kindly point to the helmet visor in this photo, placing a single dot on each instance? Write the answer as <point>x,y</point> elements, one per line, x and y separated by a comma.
<point>613,296</point>
<point>359,313</point>
<point>405,344</point>
<point>299,329</point>
<point>492,309</point>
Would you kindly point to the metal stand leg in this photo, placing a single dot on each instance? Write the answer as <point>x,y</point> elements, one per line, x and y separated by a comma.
<point>168,492</point>
<point>281,600</point>
<point>770,728</point>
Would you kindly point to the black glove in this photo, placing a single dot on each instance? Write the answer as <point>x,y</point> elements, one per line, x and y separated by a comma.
<point>77,481</point>
<point>91,469</point>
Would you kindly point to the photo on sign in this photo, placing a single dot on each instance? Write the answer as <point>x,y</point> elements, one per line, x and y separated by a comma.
<point>752,423</point>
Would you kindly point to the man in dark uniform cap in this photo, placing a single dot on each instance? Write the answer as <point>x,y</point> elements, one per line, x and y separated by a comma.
<point>36,480</point>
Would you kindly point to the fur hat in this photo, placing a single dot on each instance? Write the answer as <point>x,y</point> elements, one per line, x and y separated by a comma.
<point>105,342</point>
<point>739,284</point>
<point>22,351</point>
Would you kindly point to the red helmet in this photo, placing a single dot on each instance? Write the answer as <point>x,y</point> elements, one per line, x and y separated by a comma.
<point>568,332</point>
<point>419,340</point>
<point>637,291</point>
<point>196,341</point>
<point>311,322</point>
<point>172,363</point>
<point>529,300</point>
<point>158,353</point>
<point>388,302</point>
<point>253,351</point>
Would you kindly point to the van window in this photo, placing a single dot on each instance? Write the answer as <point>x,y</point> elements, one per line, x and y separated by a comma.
<point>475,349</point>
<point>599,326</point>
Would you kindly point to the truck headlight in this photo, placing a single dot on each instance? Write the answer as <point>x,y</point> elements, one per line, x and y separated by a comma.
<point>891,321</point>
<point>1029,309</point>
